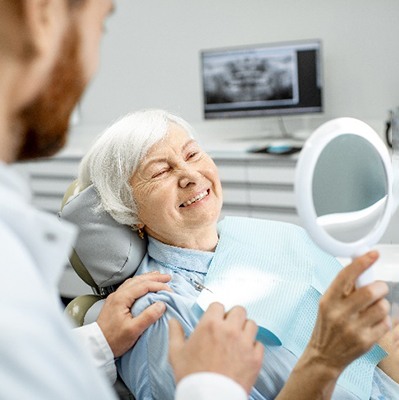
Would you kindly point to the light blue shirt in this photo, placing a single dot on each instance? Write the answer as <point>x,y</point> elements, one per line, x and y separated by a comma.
<point>146,370</point>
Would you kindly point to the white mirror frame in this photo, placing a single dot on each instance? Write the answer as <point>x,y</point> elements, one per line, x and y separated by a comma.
<point>304,192</point>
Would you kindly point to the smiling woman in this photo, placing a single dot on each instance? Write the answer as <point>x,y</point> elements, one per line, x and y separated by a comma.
<point>178,192</point>
<point>153,176</point>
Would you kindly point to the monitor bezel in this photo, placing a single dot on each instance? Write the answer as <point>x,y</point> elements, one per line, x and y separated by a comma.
<point>275,112</point>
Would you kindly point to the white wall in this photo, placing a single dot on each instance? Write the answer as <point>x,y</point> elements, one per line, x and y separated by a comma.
<point>150,57</point>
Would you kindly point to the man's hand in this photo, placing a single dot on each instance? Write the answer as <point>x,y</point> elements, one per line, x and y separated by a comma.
<point>350,320</point>
<point>119,327</point>
<point>221,343</point>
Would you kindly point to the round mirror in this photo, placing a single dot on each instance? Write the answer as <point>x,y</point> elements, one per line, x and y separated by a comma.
<point>343,188</point>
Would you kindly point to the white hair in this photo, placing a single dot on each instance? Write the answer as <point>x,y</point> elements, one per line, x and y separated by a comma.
<point>115,156</point>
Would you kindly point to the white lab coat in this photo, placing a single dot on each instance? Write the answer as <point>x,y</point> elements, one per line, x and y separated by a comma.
<point>40,357</point>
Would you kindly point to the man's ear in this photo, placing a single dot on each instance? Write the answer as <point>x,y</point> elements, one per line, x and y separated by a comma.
<point>46,21</point>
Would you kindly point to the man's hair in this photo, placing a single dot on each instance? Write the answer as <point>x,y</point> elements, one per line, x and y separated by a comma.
<point>14,37</point>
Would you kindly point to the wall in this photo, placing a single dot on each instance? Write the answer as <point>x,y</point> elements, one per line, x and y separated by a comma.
<point>150,57</point>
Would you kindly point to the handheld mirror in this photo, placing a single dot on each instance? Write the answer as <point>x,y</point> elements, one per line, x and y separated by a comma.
<point>343,188</point>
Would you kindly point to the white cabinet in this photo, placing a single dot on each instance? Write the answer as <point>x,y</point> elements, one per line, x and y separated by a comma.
<point>49,179</point>
<point>254,185</point>
<point>257,185</point>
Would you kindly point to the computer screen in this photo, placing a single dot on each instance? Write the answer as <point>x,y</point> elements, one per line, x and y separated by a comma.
<point>258,80</point>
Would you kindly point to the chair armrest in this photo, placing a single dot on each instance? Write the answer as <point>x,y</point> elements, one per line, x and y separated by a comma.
<point>79,306</point>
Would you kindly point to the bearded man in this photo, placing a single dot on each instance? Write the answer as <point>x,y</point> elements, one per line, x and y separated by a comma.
<point>48,54</point>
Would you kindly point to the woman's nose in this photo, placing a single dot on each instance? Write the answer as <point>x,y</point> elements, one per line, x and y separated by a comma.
<point>188,176</point>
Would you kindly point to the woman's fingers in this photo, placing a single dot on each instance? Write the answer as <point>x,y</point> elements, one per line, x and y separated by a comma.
<point>350,319</point>
<point>364,297</point>
<point>375,313</point>
<point>344,284</point>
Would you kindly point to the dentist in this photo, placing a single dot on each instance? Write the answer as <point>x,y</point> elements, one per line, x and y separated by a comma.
<point>49,52</point>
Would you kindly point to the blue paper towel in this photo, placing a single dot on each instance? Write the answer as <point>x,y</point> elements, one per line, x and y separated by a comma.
<point>278,274</point>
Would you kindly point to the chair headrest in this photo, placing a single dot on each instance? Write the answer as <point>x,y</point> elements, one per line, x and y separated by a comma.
<point>111,252</point>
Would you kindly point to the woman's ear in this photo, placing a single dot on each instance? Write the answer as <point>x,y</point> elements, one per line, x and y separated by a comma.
<point>140,231</point>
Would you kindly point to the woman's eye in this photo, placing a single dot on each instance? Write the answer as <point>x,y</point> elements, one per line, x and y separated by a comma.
<point>160,173</point>
<point>192,154</point>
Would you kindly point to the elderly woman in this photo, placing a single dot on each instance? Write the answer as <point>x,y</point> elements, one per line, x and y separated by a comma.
<point>152,175</point>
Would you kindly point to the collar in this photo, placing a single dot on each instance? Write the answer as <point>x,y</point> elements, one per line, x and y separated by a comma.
<point>47,239</point>
<point>13,181</point>
<point>179,258</point>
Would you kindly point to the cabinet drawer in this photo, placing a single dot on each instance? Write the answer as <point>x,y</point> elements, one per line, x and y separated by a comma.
<point>234,211</point>
<point>271,174</point>
<point>48,203</point>
<point>235,195</point>
<point>58,168</point>
<point>49,179</point>
<point>263,196</point>
<point>233,172</point>
<point>53,186</point>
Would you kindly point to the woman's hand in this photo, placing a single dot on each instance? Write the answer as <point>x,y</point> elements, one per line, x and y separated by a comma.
<point>221,343</point>
<point>350,320</point>
<point>118,325</point>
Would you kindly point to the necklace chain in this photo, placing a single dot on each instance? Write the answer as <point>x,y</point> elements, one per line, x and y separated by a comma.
<point>194,283</point>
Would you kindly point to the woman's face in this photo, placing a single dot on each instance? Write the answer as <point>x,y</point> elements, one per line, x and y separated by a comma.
<point>177,189</point>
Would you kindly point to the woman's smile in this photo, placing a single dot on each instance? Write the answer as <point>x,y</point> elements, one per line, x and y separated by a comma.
<point>196,199</point>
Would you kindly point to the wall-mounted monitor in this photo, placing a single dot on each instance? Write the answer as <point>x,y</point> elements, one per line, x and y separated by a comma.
<point>260,80</point>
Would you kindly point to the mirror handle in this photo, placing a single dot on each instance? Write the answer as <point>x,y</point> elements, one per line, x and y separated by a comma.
<point>366,278</point>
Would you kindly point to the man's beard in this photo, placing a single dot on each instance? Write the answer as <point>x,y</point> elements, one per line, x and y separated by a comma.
<point>43,125</point>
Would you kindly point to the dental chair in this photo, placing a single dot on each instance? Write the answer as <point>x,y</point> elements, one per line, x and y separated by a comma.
<point>105,254</point>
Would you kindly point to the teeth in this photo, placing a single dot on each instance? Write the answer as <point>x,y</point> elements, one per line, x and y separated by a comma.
<point>196,198</point>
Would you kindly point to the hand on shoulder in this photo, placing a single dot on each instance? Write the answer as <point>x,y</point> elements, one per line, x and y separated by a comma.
<point>117,311</point>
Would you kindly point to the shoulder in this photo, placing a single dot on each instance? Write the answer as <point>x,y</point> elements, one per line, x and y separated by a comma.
<point>177,305</point>
<point>11,245</point>
<point>19,269</point>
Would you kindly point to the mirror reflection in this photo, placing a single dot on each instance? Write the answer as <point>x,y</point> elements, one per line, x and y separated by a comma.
<point>349,161</point>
